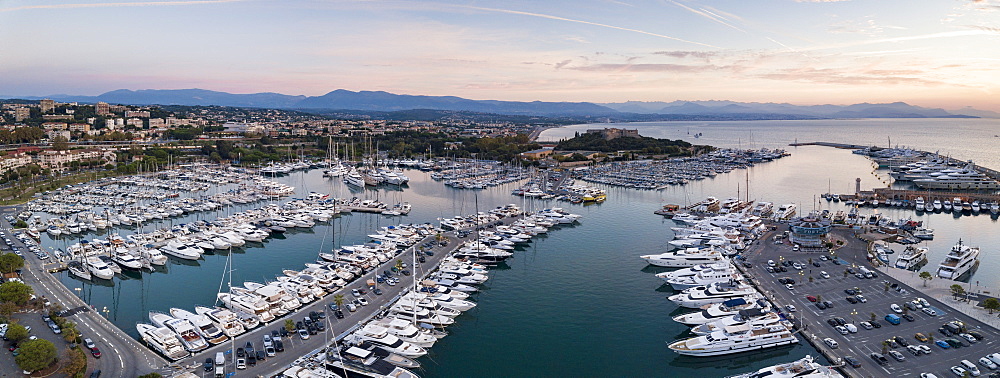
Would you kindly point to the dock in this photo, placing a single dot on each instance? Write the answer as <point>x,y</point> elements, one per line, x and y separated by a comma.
<point>830,144</point>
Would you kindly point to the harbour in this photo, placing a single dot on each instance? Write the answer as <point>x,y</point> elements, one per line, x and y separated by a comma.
<point>514,292</point>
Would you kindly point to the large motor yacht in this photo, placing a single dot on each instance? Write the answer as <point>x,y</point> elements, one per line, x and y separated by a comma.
<point>753,318</point>
<point>190,338</point>
<point>163,340</point>
<point>704,277</point>
<point>961,260</point>
<point>911,257</point>
<point>698,296</point>
<point>718,311</point>
<point>203,325</point>
<point>735,339</point>
<point>807,367</point>
<point>684,258</point>
<point>224,319</point>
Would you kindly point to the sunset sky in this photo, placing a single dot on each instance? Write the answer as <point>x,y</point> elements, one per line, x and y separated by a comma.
<point>936,53</point>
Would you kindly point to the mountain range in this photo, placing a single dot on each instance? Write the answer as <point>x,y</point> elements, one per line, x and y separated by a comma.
<point>388,102</point>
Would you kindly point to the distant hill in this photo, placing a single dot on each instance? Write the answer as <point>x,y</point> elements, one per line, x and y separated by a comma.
<point>863,110</point>
<point>379,101</point>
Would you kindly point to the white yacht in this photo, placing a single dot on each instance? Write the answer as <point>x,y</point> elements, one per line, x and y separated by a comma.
<point>354,178</point>
<point>125,259</point>
<point>936,205</point>
<point>717,311</point>
<point>380,336</point>
<point>920,204</point>
<point>77,268</point>
<point>967,178</point>
<point>807,367</point>
<point>203,325</point>
<point>961,260</point>
<point>98,268</point>
<point>753,318</point>
<point>406,331</point>
<point>182,251</point>
<point>698,296</point>
<point>685,258</point>
<point>785,212</point>
<point>704,277</point>
<point>250,305</point>
<point>224,319</point>
<point>163,340</point>
<point>735,339</point>
<point>190,338</point>
<point>911,257</point>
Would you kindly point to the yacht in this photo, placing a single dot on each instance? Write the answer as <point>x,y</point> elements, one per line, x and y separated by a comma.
<point>967,178</point>
<point>100,269</point>
<point>752,318</point>
<point>203,325</point>
<point>182,251</point>
<point>688,272</point>
<point>698,296</point>
<point>936,205</point>
<point>406,331</point>
<point>735,339</point>
<point>126,259</point>
<point>253,306</point>
<point>785,212</point>
<point>807,367</point>
<point>380,336</point>
<point>923,233</point>
<point>961,260</point>
<point>717,311</point>
<point>224,319</point>
<point>911,257</point>
<point>77,268</point>
<point>704,277</point>
<point>189,337</point>
<point>920,204</point>
<point>163,340</point>
<point>685,257</point>
<point>354,178</point>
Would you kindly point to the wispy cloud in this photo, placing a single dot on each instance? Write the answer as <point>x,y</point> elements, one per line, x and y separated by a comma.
<point>709,15</point>
<point>557,18</point>
<point>113,5</point>
<point>951,34</point>
<point>646,67</point>
<point>985,28</point>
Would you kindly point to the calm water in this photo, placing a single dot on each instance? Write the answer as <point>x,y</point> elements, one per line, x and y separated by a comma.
<point>577,301</point>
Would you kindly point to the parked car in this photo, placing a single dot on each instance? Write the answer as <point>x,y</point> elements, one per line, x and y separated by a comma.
<point>831,343</point>
<point>853,362</point>
<point>897,356</point>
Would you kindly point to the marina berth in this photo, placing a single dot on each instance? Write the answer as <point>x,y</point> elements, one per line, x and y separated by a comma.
<point>735,339</point>
<point>203,326</point>
<point>380,336</point>
<point>252,306</point>
<point>223,319</point>
<point>911,257</point>
<point>405,330</point>
<point>709,276</point>
<point>753,318</point>
<point>189,337</point>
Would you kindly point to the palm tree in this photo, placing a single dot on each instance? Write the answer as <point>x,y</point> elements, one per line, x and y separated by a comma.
<point>399,264</point>
<point>886,285</point>
<point>926,276</point>
<point>289,325</point>
<point>885,347</point>
<point>339,300</point>
<point>874,316</point>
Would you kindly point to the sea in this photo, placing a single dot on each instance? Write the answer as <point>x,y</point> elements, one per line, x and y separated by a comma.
<point>578,301</point>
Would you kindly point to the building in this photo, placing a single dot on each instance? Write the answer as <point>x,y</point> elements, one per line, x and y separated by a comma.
<point>809,231</point>
<point>540,153</point>
<point>157,123</point>
<point>54,126</point>
<point>58,160</point>
<point>53,134</point>
<point>14,161</point>
<point>134,122</point>
<point>137,113</point>
<point>79,127</point>
<point>613,133</point>
<point>102,108</point>
<point>47,106</point>
<point>21,114</point>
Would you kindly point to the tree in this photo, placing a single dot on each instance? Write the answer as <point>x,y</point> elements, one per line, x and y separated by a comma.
<point>16,332</point>
<point>886,286</point>
<point>8,308</point>
<point>77,362</point>
<point>930,337</point>
<point>819,298</point>
<point>926,276</point>
<point>339,300</point>
<point>16,292</point>
<point>810,279</point>
<point>289,325</point>
<point>151,375</point>
<point>20,223</point>
<point>845,273</point>
<point>957,290</point>
<point>36,355</point>
<point>991,304</point>
<point>60,143</point>
<point>873,316</point>
<point>885,347</point>
<point>10,262</point>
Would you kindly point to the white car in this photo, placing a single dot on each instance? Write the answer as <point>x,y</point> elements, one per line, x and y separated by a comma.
<point>995,357</point>
<point>851,328</point>
<point>363,301</point>
<point>357,293</point>
<point>824,274</point>
<point>971,368</point>
<point>895,308</point>
<point>971,339</point>
<point>958,371</point>
<point>923,302</point>
<point>842,330</point>
<point>929,311</point>
<point>988,363</point>
<point>924,349</point>
<point>789,287</point>
<point>831,343</point>
<point>861,298</point>
<point>790,308</point>
<point>866,325</point>
<point>927,375</point>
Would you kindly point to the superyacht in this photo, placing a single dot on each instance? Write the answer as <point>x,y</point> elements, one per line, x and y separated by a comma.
<point>961,260</point>
<point>735,339</point>
<point>684,258</point>
<point>911,257</point>
<point>807,367</point>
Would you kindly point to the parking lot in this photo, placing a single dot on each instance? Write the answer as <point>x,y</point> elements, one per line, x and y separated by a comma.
<point>880,293</point>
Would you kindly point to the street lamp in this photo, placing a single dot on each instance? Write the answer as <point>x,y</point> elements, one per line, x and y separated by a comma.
<point>105,311</point>
<point>78,289</point>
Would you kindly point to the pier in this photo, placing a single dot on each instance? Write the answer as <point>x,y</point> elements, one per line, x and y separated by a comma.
<point>830,144</point>
<point>931,195</point>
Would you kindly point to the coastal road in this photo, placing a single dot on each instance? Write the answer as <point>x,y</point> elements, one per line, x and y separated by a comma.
<point>296,347</point>
<point>863,343</point>
<point>121,354</point>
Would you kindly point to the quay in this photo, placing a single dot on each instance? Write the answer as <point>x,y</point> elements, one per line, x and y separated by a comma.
<point>829,144</point>
<point>811,321</point>
<point>296,348</point>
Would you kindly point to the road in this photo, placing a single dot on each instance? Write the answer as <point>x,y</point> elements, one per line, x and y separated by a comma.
<point>296,347</point>
<point>120,352</point>
<point>861,344</point>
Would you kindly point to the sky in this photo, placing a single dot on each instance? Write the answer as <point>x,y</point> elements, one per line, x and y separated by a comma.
<point>934,53</point>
